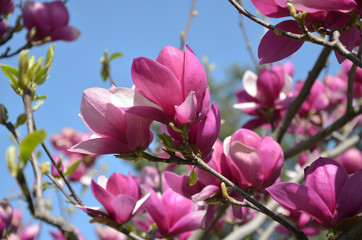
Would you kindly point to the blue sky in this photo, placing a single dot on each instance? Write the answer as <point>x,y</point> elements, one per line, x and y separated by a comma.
<point>136,28</point>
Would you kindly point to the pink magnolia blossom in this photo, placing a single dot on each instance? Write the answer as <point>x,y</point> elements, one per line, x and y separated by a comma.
<point>6,6</point>
<point>174,71</point>
<point>6,213</point>
<point>108,233</point>
<point>329,194</point>
<point>115,131</point>
<point>317,99</point>
<point>255,162</point>
<point>3,28</point>
<point>119,196</point>
<point>68,138</point>
<point>30,232</point>
<point>265,96</point>
<point>351,160</point>
<point>301,220</point>
<point>50,19</point>
<point>202,134</point>
<point>357,84</point>
<point>328,14</point>
<point>173,213</point>
<point>59,236</point>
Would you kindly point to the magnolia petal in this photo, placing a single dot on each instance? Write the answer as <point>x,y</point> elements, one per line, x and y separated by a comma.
<point>312,6</point>
<point>327,178</point>
<point>270,8</point>
<point>207,131</point>
<point>273,157</point>
<point>174,59</point>
<point>155,81</point>
<point>95,211</point>
<point>101,117</point>
<point>299,197</point>
<point>286,87</point>
<point>129,97</point>
<point>349,39</point>
<point>249,82</point>
<point>58,13</point>
<point>189,222</point>
<point>249,163</point>
<point>275,47</point>
<point>186,112</point>
<point>117,184</point>
<point>66,33</point>
<point>99,146</point>
<point>194,76</point>
<point>171,199</point>
<point>180,185</point>
<point>247,137</point>
<point>209,216</point>
<point>206,193</point>
<point>123,206</point>
<point>141,204</point>
<point>156,210</point>
<point>255,123</point>
<point>104,197</point>
<point>349,201</point>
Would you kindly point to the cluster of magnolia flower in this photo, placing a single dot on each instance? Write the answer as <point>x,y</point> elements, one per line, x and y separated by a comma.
<point>61,142</point>
<point>172,90</point>
<point>46,21</point>
<point>267,96</point>
<point>12,227</point>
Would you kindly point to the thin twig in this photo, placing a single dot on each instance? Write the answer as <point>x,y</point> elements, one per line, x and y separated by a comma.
<point>74,194</point>
<point>247,42</point>
<point>303,94</point>
<point>322,134</point>
<point>185,33</point>
<point>198,162</point>
<point>334,44</point>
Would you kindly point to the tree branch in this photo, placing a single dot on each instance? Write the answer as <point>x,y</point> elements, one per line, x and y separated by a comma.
<point>303,94</point>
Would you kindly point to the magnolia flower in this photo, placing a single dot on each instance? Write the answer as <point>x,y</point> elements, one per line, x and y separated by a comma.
<point>50,19</point>
<point>3,28</point>
<point>107,233</point>
<point>6,213</point>
<point>327,14</point>
<point>59,236</point>
<point>30,232</point>
<point>173,213</point>
<point>6,6</point>
<point>357,84</point>
<point>329,194</point>
<point>265,95</point>
<point>202,134</point>
<point>119,196</point>
<point>255,162</point>
<point>170,89</point>
<point>351,160</point>
<point>115,131</point>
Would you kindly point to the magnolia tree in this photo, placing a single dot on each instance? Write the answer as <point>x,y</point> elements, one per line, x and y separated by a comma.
<point>292,170</point>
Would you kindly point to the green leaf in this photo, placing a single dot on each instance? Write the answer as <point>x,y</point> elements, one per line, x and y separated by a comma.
<point>37,97</point>
<point>168,142</point>
<point>20,120</point>
<point>29,143</point>
<point>45,185</point>
<point>192,178</point>
<point>11,73</point>
<point>73,167</point>
<point>10,161</point>
<point>116,55</point>
<point>49,57</point>
<point>3,114</point>
<point>37,105</point>
<point>34,68</point>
